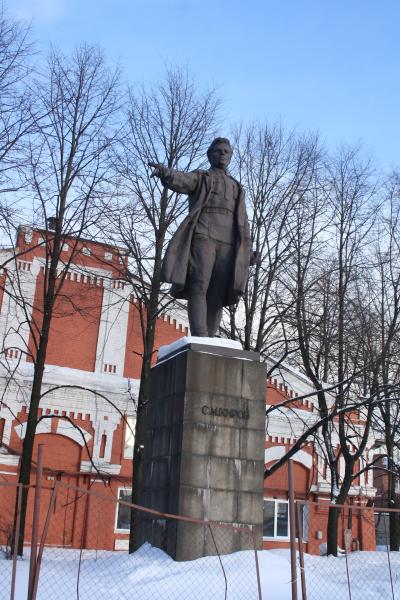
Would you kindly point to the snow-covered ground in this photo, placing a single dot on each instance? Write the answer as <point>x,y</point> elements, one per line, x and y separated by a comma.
<point>151,574</point>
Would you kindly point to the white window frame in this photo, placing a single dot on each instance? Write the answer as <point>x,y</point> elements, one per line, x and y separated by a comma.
<point>129,440</point>
<point>116,530</point>
<point>278,537</point>
<point>304,517</point>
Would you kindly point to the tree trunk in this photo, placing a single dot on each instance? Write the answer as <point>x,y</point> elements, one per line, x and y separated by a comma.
<point>144,390</point>
<point>27,451</point>
<point>137,465</point>
<point>40,361</point>
<point>332,531</point>
<point>29,439</point>
<point>144,397</point>
<point>394,518</point>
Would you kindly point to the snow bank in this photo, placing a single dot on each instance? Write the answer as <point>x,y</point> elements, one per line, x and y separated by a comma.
<point>150,574</point>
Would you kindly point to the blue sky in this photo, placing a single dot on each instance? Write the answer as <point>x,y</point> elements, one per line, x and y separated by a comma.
<point>326,65</point>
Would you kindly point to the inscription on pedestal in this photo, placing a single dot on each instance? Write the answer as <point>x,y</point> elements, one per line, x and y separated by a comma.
<point>225,412</point>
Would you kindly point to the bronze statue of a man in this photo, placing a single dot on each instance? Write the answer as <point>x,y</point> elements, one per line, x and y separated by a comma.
<point>207,260</point>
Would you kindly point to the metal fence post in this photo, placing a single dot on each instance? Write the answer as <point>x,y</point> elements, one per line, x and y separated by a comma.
<point>220,561</point>
<point>16,538</point>
<point>292,522</point>
<point>35,521</point>
<point>257,565</point>
<point>388,554</point>
<point>346,546</point>
<point>301,553</point>
<point>50,512</point>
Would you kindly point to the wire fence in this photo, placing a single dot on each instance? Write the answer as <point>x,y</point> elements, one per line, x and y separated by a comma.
<point>80,562</point>
<point>365,567</point>
<point>9,495</point>
<point>75,553</point>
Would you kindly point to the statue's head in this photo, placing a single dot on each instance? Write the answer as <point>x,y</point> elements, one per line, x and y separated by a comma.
<point>220,153</point>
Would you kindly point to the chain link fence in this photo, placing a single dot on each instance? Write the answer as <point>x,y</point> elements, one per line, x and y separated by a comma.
<point>81,562</point>
<point>8,492</point>
<point>77,554</point>
<point>364,569</point>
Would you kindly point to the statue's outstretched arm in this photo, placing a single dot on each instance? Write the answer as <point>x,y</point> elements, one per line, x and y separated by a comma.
<point>177,181</point>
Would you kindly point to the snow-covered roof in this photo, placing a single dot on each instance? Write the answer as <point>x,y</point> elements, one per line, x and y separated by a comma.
<point>55,375</point>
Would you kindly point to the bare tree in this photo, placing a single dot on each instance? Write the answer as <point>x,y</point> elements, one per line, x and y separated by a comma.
<point>66,178</point>
<point>15,111</point>
<point>325,275</point>
<point>15,99</point>
<point>382,287</point>
<point>279,172</point>
<point>171,123</point>
<point>352,198</point>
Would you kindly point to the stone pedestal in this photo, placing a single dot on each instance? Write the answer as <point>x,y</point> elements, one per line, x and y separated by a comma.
<point>204,448</point>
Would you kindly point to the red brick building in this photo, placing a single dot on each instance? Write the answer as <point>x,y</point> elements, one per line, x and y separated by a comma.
<point>93,365</point>
<point>311,475</point>
<point>95,343</point>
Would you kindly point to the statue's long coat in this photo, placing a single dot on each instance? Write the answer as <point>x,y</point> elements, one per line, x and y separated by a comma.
<point>176,264</point>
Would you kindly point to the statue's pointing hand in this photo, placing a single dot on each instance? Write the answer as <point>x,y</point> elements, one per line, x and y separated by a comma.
<point>158,170</point>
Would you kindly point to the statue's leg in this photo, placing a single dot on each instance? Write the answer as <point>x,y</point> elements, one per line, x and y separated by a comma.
<point>220,281</point>
<point>202,261</point>
<point>214,317</point>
